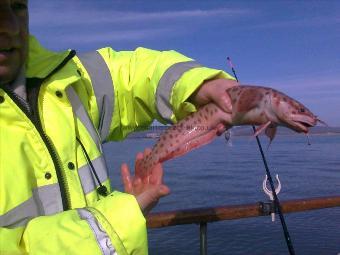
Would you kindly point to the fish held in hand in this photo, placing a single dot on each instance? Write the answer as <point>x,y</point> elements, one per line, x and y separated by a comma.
<point>251,105</point>
<point>269,108</point>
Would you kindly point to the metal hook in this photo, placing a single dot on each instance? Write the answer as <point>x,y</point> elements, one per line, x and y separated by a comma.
<point>269,193</point>
<point>227,137</point>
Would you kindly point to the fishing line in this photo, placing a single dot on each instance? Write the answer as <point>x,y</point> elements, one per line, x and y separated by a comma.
<point>276,199</point>
<point>308,141</point>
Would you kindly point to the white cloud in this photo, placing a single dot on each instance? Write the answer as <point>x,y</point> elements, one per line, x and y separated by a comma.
<point>113,36</point>
<point>301,22</point>
<point>323,81</point>
<point>83,16</point>
<point>92,23</point>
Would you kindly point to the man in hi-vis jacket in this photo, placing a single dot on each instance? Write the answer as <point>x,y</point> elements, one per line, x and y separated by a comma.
<point>56,110</point>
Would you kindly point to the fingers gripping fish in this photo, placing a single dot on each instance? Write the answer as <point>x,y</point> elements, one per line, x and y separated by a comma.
<point>251,105</point>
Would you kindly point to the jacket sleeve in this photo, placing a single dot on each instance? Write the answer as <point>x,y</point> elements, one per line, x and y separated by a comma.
<point>82,231</point>
<point>148,85</point>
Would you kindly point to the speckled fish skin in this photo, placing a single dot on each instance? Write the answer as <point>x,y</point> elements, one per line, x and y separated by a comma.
<point>251,105</point>
<point>254,105</point>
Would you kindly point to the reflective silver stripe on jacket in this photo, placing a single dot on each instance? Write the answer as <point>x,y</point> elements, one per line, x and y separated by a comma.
<point>87,179</point>
<point>102,238</point>
<point>103,89</point>
<point>80,111</point>
<point>45,200</point>
<point>166,84</point>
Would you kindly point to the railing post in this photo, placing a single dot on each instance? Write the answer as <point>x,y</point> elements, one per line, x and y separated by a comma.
<point>203,238</point>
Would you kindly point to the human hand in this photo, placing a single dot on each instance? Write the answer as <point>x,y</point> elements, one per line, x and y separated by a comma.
<point>214,91</point>
<point>147,189</point>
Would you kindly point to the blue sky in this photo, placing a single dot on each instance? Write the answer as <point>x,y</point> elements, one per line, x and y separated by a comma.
<point>293,46</point>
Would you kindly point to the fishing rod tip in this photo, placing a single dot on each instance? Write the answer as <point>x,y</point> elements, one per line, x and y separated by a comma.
<point>230,63</point>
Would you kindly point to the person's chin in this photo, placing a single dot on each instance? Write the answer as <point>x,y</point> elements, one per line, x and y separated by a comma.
<point>8,74</point>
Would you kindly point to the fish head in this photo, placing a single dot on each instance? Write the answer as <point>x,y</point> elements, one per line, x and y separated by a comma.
<point>292,113</point>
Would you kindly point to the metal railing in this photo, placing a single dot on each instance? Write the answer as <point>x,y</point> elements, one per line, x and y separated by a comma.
<point>202,216</point>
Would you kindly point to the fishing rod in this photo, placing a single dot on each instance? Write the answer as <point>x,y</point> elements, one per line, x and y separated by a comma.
<point>276,199</point>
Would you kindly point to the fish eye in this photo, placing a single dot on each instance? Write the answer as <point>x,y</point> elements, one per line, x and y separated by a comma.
<point>302,110</point>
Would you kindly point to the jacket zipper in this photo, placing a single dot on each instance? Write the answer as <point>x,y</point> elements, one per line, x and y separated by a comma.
<point>33,116</point>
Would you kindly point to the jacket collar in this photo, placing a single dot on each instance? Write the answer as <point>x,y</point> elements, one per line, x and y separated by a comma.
<point>42,62</point>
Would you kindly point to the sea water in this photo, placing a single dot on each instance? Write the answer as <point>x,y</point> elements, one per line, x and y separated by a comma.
<point>232,173</point>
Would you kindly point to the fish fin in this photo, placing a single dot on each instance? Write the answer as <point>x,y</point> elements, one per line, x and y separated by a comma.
<point>270,133</point>
<point>261,128</point>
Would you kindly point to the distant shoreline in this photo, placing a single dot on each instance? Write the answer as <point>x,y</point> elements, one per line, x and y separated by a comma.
<point>155,131</point>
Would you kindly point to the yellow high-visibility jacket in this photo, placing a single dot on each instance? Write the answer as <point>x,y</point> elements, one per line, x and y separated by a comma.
<point>50,199</point>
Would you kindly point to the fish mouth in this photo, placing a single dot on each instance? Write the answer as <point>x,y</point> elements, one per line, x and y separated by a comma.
<point>306,124</point>
<point>302,124</point>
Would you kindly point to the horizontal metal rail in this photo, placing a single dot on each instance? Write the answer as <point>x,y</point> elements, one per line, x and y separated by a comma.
<point>230,212</point>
